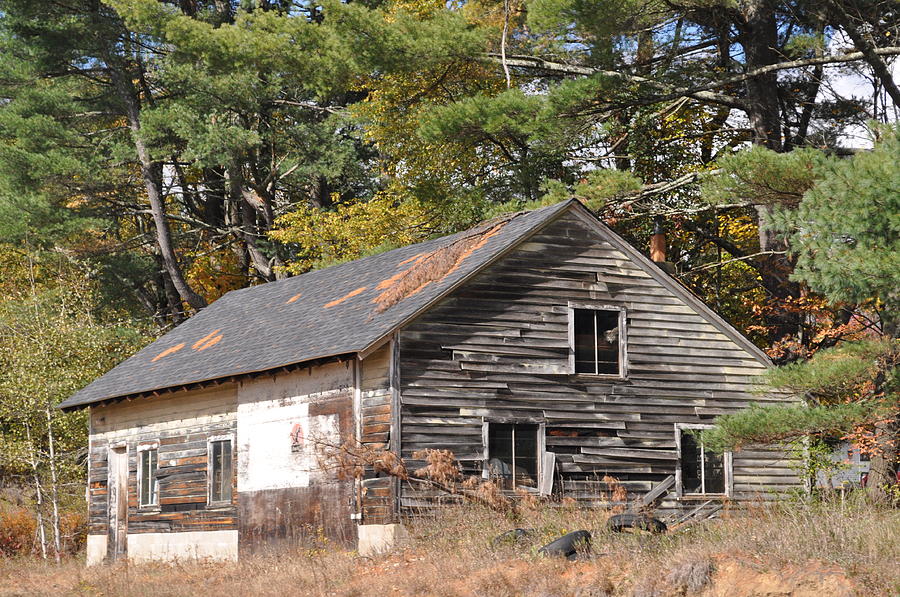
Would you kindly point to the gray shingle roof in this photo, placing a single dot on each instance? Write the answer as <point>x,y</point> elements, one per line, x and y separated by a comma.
<point>324,313</point>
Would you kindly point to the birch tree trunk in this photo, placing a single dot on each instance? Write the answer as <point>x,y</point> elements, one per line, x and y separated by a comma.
<point>54,486</point>
<point>38,491</point>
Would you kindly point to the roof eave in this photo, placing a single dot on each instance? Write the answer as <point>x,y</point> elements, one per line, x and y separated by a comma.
<point>215,381</point>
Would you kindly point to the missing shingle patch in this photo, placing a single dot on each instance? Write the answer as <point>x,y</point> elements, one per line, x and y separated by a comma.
<point>167,352</point>
<point>196,345</point>
<point>349,295</point>
<point>210,342</point>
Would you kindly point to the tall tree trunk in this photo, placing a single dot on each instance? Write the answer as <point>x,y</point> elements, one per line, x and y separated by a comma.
<point>232,213</point>
<point>759,39</point>
<point>213,198</point>
<point>249,229</point>
<point>173,305</point>
<point>151,175</point>
<point>261,203</point>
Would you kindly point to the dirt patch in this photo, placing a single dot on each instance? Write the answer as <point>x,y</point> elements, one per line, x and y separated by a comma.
<point>744,578</point>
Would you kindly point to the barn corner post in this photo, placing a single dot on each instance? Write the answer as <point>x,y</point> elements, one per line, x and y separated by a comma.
<point>356,515</point>
<point>379,527</point>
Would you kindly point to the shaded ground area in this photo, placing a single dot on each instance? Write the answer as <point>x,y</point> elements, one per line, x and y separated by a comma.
<point>795,551</point>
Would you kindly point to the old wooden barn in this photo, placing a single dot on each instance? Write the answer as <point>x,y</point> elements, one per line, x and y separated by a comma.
<point>541,348</point>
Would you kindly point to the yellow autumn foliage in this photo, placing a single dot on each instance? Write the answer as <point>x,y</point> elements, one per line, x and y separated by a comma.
<point>213,271</point>
<point>396,103</point>
<point>351,230</point>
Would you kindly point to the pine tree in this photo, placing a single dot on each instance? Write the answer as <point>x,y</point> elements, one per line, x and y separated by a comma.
<point>845,233</point>
<point>212,118</point>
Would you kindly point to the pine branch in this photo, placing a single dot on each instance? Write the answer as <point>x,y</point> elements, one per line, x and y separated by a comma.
<point>702,93</point>
<point>535,62</point>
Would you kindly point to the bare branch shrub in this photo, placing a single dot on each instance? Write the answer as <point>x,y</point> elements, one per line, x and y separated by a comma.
<point>441,466</point>
<point>349,459</point>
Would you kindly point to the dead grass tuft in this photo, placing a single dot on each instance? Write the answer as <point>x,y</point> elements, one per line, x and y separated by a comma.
<point>690,573</point>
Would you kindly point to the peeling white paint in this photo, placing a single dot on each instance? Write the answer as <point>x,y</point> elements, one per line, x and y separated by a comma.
<point>275,451</point>
<point>274,430</point>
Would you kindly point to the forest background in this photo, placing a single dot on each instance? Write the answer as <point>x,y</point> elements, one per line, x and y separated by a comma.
<point>155,155</point>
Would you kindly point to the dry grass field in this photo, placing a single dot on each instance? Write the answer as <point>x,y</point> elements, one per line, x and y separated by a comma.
<point>792,550</point>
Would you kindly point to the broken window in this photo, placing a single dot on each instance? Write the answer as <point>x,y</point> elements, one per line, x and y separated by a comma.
<point>596,339</point>
<point>702,471</point>
<point>220,471</point>
<point>513,454</point>
<point>148,484</point>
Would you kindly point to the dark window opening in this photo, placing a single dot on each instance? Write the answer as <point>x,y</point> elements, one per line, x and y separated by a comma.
<point>597,341</point>
<point>513,455</point>
<point>702,471</point>
<point>220,471</point>
<point>149,484</point>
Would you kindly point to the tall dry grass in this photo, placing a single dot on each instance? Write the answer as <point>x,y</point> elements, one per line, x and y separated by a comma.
<point>847,545</point>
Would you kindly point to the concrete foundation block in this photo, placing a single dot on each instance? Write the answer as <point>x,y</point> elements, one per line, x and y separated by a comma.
<point>187,545</point>
<point>96,549</point>
<point>379,538</point>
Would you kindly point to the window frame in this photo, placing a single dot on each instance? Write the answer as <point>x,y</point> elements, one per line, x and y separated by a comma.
<point>143,449</point>
<point>727,465</point>
<point>210,463</point>
<point>541,425</point>
<point>623,337</point>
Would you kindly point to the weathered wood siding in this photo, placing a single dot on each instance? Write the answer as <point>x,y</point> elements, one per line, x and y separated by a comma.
<point>284,496</point>
<point>181,424</point>
<point>498,347</point>
<point>279,493</point>
<point>378,490</point>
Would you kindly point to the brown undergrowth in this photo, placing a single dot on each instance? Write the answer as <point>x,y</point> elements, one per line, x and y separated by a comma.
<point>789,550</point>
